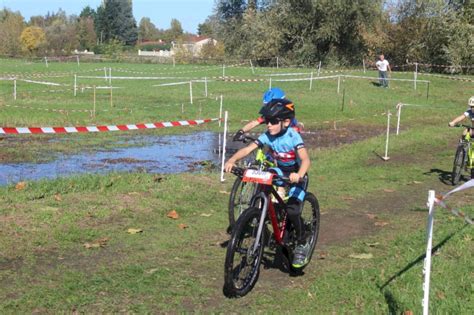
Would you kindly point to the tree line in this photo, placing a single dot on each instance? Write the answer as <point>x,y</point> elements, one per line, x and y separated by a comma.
<point>300,32</point>
<point>344,32</point>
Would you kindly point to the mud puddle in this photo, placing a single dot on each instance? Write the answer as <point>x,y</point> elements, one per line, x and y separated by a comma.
<point>151,154</point>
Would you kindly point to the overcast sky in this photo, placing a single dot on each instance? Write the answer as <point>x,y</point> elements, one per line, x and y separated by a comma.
<point>189,12</point>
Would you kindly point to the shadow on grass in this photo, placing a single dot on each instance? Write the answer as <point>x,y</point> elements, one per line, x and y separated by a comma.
<point>394,308</point>
<point>444,177</point>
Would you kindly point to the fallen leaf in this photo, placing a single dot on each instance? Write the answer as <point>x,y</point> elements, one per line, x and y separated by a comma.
<point>182,226</point>
<point>20,186</point>
<point>416,182</point>
<point>322,255</point>
<point>371,216</point>
<point>372,244</point>
<point>224,192</point>
<point>361,256</point>
<point>310,295</point>
<point>381,223</point>
<point>151,271</point>
<point>57,197</point>
<point>173,214</point>
<point>101,242</point>
<point>440,295</point>
<point>389,190</point>
<point>134,231</point>
<point>347,198</point>
<point>206,214</point>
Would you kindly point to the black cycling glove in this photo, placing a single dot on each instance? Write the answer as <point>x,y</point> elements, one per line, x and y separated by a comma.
<point>239,135</point>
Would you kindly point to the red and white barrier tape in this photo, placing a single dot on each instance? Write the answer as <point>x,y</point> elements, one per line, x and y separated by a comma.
<point>84,129</point>
<point>440,201</point>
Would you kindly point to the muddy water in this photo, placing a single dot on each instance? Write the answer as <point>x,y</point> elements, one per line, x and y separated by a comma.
<point>165,154</point>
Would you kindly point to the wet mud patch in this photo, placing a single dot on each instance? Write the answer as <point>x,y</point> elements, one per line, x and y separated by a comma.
<point>326,138</point>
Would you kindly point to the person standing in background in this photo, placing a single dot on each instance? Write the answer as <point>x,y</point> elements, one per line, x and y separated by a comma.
<point>383,65</point>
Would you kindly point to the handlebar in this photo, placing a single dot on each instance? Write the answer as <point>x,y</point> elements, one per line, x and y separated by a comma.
<point>239,171</point>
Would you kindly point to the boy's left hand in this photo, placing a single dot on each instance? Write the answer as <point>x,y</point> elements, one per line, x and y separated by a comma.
<point>294,177</point>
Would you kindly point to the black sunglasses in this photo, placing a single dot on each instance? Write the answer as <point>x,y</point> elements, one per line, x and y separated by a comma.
<point>272,121</point>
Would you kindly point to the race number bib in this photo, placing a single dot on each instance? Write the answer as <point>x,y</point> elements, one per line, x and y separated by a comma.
<point>260,177</point>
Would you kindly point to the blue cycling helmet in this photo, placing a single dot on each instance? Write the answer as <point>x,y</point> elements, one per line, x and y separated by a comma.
<point>273,93</point>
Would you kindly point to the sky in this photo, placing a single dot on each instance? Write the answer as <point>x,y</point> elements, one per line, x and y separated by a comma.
<point>189,12</point>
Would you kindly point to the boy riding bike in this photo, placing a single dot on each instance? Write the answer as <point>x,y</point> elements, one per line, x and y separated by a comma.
<point>468,113</point>
<point>288,150</point>
<point>268,96</point>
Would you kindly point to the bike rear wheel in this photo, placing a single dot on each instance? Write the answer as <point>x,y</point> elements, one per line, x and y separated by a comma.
<point>310,215</point>
<point>239,200</point>
<point>242,263</point>
<point>458,165</point>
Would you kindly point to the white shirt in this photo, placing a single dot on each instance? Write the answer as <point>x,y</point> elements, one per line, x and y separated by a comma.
<point>382,65</point>
<point>468,113</point>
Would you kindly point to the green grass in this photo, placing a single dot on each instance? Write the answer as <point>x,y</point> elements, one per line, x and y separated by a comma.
<point>45,267</point>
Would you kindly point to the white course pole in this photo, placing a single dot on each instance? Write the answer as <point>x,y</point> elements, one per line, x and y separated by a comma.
<point>399,107</point>
<point>105,74</point>
<point>363,64</point>
<point>110,76</point>
<point>319,68</point>
<point>94,101</point>
<point>174,62</point>
<point>385,158</point>
<point>220,111</point>
<point>311,81</point>
<point>223,70</point>
<point>223,146</point>
<point>278,64</point>
<point>251,66</point>
<point>191,91</point>
<point>14,89</point>
<point>46,61</point>
<point>427,264</point>
<point>270,83</point>
<point>77,58</point>
<point>415,75</point>
<point>75,84</point>
<point>205,86</point>
<point>338,83</point>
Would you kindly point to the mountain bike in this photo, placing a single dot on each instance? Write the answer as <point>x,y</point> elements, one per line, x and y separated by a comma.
<point>464,157</point>
<point>251,233</point>
<point>242,192</point>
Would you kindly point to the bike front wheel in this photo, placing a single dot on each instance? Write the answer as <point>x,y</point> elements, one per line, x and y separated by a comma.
<point>240,197</point>
<point>244,254</point>
<point>458,165</point>
<point>310,215</point>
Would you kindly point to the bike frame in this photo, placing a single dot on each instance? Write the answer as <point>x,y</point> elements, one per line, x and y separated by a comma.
<point>470,152</point>
<point>279,227</point>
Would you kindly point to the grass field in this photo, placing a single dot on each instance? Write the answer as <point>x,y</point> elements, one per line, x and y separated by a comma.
<point>64,245</point>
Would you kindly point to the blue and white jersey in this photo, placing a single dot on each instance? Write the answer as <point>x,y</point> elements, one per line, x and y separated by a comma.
<point>470,114</point>
<point>283,148</point>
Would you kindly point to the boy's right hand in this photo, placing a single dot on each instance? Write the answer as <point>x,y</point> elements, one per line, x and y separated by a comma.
<point>451,124</point>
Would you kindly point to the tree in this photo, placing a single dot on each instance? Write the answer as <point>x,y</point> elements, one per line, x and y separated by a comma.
<point>32,38</point>
<point>115,21</point>
<point>86,33</point>
<point>175,31</point>
<point>147,30</point>
<point>11,26</point>
<point>88,12</point>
